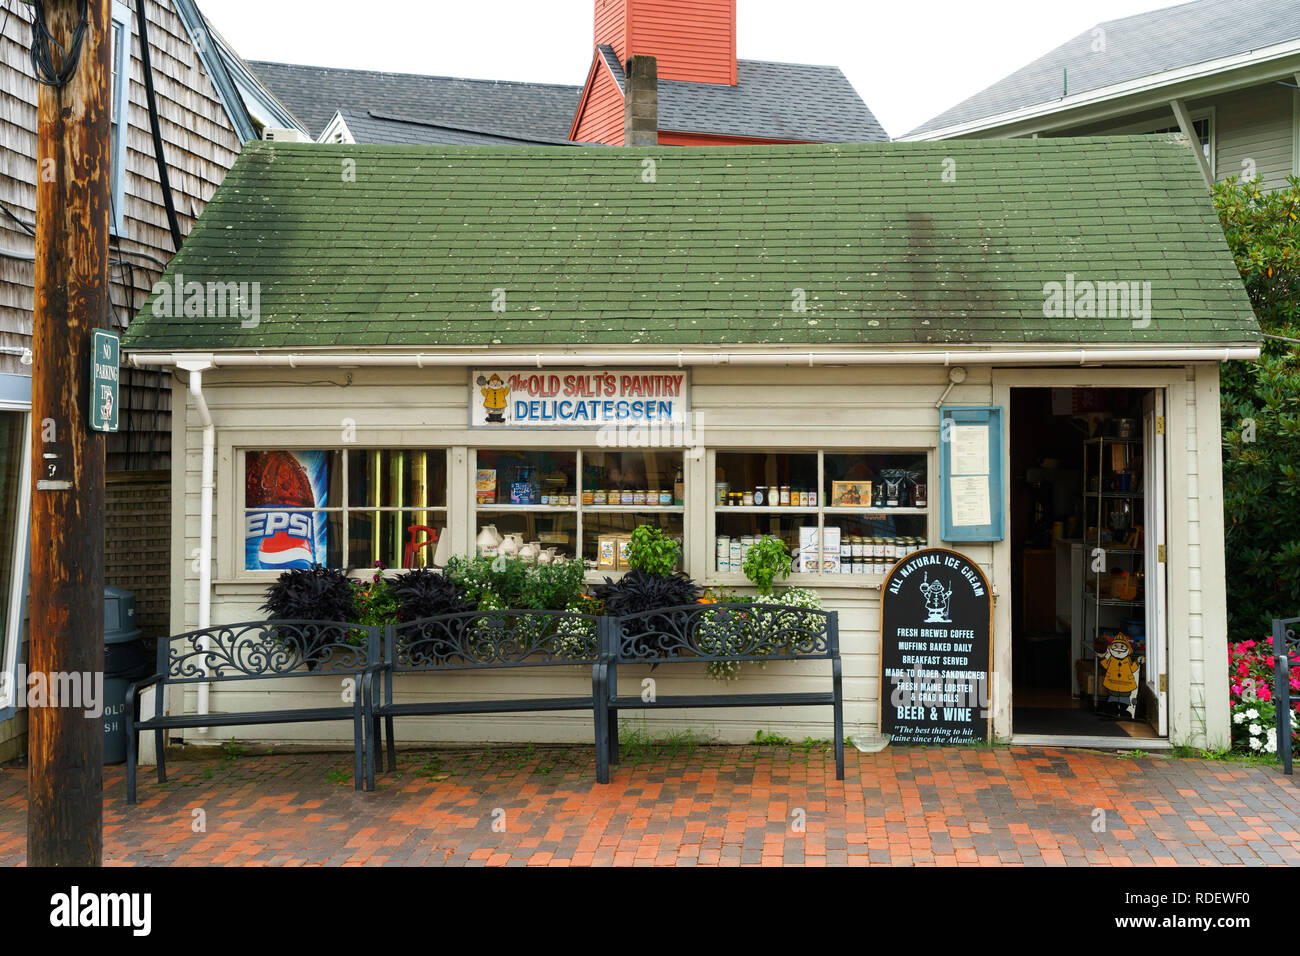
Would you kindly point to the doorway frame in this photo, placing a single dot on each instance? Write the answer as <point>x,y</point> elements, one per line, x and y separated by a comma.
<point>1179,383</point>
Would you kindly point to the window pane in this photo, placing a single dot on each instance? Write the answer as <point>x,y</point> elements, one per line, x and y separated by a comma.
<point>524,477</point>
<point>872,544</point>
<point>281,491</point>
<point>384,536</point>
<point>397,478</point>
<point>737,531</point>
<point>754,473</point>
<point>655,471</point>
<point>897,480</point>
<point>605,535</point>
<point>553,530</point>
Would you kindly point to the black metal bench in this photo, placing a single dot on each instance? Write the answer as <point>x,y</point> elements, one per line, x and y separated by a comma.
<point>714,632</point>
<point>229,654</point>
<point>474,641</point>
<point>1285,643</point>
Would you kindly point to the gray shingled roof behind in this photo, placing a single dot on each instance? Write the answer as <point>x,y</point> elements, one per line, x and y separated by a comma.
<point>1135,47</point>
<point>524,110</point>
<point>772,101</point>
<point>372,126</point>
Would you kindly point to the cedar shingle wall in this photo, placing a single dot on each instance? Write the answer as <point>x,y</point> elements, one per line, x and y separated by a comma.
<point>200,146</point>
<point>138,544</point>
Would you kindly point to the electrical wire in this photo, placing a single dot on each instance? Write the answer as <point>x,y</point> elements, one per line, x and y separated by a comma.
<point>47,72</point>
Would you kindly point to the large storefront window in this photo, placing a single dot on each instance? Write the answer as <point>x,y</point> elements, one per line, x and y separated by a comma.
<point>576,503</point>
<point>838,513</point>
<point>343,509</point>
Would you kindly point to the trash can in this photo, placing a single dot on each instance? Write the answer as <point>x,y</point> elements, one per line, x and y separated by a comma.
<point>125,661</point>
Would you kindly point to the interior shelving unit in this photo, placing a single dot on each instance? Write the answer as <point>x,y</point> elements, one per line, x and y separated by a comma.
<point>1108,509</point>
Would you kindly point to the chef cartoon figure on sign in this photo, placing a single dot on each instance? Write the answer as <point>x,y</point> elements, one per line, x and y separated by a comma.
<point>496,395</point>
<point>938,601</point>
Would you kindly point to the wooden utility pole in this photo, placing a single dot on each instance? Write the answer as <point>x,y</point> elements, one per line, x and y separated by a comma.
<point>66,601</point>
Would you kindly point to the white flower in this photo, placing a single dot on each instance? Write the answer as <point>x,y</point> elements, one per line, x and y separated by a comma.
<point>1253,714</point>
<point>1238,718</point>
<point>1271,746</point>
<point>1256,730</point>
<point>1254,743</point>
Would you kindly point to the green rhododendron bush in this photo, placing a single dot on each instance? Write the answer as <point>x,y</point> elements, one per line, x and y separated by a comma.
<point>1261,412</point>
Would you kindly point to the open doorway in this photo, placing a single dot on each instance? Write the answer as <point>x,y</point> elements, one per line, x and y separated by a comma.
<point>1087,525</point>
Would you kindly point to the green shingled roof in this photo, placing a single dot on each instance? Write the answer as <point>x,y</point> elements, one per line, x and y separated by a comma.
<point>706,246</point>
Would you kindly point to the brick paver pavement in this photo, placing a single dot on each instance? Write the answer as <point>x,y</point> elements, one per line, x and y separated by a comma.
<point>710,806</point>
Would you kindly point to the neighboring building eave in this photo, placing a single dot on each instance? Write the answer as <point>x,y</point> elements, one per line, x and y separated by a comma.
<point>206,47</point>
<point>1148,92</point>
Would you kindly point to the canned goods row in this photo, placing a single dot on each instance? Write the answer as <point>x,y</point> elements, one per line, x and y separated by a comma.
<point>766,496</point>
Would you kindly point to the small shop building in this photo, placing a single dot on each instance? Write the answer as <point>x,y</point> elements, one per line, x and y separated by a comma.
<point>1008,349</point>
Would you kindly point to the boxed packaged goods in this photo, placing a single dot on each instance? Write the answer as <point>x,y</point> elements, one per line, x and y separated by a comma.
<point>607,553</point>
<point>485,486</point>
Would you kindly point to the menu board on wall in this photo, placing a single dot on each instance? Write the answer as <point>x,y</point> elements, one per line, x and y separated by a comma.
<point>577,398</point>
<point>936,620</point>
<point>970,474</point>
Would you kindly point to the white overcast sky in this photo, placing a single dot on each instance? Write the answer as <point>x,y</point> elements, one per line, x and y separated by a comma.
<point>909,59</point>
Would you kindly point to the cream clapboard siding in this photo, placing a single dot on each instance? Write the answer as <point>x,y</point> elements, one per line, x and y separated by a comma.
<point>737,409</point>
<point>1257,124</point>
<point>1255,129</point>
<point>852,409</point>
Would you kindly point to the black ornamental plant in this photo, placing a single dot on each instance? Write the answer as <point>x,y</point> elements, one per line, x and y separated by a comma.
<point>311,594</point>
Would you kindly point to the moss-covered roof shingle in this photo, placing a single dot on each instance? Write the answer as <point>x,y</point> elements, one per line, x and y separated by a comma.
<point>939,244</point>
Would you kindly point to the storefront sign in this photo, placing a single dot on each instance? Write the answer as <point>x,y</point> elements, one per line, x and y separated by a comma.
<point>285,533</point>
<point>970,474</point>
<point>936,613</point>
<point>578,398</point>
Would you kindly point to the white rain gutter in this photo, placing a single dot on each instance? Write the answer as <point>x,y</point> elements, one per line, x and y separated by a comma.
<point>196,365</point>
<point>791,356</point>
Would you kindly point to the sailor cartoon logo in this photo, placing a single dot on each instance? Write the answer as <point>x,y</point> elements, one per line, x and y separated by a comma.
<point>1120,679</point>
<point>938,601</point>
<point>283,532</point>
<point>496,397</point>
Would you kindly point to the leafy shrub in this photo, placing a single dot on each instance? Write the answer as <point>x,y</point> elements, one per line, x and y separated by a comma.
<point>710,632</point>
<point>1261,410</point>
<point>500,579</point>
<point>767,560</point>
<point>552,587</point>
<point>652,551</point>
<point>375,601</point>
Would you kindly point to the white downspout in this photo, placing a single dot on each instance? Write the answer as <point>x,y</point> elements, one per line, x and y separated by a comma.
<point>196,369</point>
